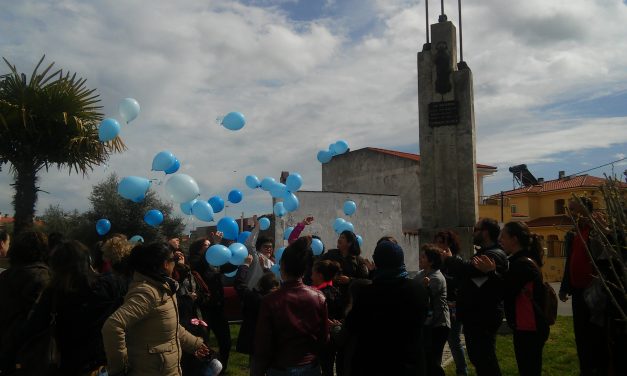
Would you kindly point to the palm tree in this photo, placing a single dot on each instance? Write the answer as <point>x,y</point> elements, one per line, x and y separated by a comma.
<point>51,119</point>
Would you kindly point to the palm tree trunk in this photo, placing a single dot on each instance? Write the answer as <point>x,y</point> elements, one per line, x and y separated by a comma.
<point>25,197</point>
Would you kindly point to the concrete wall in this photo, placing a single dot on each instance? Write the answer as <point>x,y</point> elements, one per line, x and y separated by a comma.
<point>377,215</point>
<point>368,171</point>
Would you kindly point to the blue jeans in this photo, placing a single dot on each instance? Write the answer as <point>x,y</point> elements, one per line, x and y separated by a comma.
<point>457,350</point>
<point>306,370</point>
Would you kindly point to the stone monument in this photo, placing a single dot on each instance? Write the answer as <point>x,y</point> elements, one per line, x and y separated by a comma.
<point>448,172</point>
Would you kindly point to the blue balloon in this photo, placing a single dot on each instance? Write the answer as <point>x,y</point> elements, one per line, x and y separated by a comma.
<point>350,207</point>
<point>290,202</point>
<point>294,182</point>
<point>360,240</point>
<point>203,211</point>
<point>317,247</point>
<point>278,254</point>
<point>239,252</point>
<point>103,226</point>
<point>276,269</point>
<point>128,109</point>
<point>174,168</point>
<point>218,255</point>
<point>228,226</point>
<point>267,183</point>
<point>153,217</point>
<point>346,226</point>
<point>332,149</point>
<point>339,222</point>
<point>340,147</point>
<point>108,130</point>
<point>231,274</point>
<point>182,188</point>
<point>186,207</point>
<point>279,210</point>
<point>133,188</point>
<point>163,160</point>
<point>252,182</point>
<point>242,237</point>
<point>136,239</point>
<point>234,121</point>
<point>217,203</point>
<point>288,232</point>
<point>235,196</point>
<point>264,224</point>
<point>278,190</point>
<point>324,156</point>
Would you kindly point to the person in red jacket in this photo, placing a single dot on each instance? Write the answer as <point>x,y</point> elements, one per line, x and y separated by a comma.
<point>292,328</point>
<point>579,273</point>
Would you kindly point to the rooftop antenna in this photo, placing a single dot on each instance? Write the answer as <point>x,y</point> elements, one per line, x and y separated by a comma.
<point>427,19</point>
<point>442,17</point>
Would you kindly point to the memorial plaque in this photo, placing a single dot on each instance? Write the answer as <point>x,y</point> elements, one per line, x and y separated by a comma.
<point>443,113</point>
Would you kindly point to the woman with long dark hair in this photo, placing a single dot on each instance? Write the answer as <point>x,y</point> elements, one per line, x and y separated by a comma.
<point>348,255</point>
<point>144,337</point>
<point>524,291</point>
<point>20,287</point>
<point>77,301</point>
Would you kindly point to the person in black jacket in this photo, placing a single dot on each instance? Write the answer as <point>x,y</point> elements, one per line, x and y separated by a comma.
<point>20,287</point>
<point>251,302</point>
<point>524,294</point>
<point>213,309</point>
<point>80,301</point>
<point>480,297</point>
<point>386,319</point>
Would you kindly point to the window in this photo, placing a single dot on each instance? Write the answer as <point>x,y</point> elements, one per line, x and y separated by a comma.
<point>559,206</point>
<point>513,209</point>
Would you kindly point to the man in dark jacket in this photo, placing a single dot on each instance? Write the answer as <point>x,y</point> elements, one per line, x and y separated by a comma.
<point>292,328</point>
<point>386,320</point>
<point>480,297</point>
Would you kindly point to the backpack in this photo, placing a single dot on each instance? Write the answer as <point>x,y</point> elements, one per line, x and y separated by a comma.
<point>549,309</point>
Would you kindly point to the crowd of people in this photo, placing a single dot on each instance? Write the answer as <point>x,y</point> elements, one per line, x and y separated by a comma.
<point>148,309</point>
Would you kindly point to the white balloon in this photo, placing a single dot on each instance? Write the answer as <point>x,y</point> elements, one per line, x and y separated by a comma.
<point>182,188</point>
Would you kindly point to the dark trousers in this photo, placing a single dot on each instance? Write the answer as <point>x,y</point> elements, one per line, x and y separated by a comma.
<point>481,346</point>
<point>591,340</point>
<point>528,349</point>
<point>436,338</point>
<point>219,325</point>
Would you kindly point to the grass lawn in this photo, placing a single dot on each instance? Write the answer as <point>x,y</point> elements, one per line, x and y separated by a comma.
<point>559,357</point>
<point>560,354</point>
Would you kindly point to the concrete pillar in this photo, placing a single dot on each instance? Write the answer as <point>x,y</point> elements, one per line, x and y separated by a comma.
<point>448,172</point>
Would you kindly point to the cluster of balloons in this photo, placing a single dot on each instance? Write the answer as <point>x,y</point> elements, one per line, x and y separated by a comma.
<point>233,121</point>
<point>165,161</point>
<point>337,148</point>
<point>340,224</point>
<point>218,254</point>
<point>109,128</point>
<point>282,191</point>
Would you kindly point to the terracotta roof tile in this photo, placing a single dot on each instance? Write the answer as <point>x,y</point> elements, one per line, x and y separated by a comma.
<point>415,157</point>
<point>581,181</point>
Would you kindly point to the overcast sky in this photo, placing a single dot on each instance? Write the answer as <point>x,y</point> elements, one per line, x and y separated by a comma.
<point>550,80</point>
